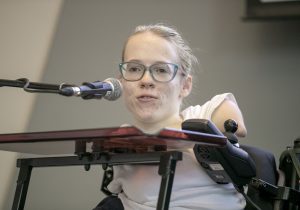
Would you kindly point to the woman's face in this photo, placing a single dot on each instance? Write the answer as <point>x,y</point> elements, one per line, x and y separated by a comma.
<point>148,100</point>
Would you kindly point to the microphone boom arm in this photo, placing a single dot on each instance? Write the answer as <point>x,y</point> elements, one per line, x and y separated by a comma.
<point>110,89</point>
<point>33,87</point>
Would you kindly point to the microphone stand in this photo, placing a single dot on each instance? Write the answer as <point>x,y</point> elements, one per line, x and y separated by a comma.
<point>33,87</point>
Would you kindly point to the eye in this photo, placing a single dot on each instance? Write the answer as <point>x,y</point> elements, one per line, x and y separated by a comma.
<point>161,69</point>
<point>133,68</point>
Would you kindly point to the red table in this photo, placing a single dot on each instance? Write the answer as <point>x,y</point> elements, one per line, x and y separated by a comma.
<point>105,146</point>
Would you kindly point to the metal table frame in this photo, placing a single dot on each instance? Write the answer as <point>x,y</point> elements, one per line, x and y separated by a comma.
<point>166,161</point>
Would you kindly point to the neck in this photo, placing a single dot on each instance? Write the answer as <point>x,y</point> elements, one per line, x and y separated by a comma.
<point>153,127</point>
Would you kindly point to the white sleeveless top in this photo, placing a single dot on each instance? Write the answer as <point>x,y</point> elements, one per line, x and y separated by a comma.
<point>138,186</point>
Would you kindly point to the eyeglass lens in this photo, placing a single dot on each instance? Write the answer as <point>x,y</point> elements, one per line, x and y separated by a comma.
<point>162,72</point>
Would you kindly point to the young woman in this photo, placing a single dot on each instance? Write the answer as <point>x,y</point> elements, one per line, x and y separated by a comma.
<point>156,77</point>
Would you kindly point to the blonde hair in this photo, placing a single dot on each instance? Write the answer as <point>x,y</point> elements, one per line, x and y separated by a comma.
<point>186,57</point>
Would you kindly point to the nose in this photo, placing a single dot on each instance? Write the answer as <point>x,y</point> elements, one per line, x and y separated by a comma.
<point>147,80</point>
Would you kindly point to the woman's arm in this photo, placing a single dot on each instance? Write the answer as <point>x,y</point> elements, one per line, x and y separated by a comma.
<point>229,110</point>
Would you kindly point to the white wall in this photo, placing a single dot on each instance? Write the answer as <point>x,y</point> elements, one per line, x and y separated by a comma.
<point>27,29</point>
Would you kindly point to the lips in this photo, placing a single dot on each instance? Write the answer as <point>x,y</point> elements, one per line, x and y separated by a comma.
<point>146,98</point>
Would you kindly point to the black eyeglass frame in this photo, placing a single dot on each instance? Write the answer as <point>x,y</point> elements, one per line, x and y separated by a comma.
<point>145,68</point>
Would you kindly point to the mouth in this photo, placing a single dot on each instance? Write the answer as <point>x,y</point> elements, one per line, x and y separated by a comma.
<point>146,98</point>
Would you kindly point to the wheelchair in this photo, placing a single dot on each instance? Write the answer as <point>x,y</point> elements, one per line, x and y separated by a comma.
<point>275,188</point>
<point>267,187</point>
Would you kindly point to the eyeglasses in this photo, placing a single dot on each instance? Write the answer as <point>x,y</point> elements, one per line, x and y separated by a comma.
<point>160,72</point>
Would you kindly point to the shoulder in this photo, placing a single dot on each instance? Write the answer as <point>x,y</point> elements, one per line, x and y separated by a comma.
<point>206,110</point>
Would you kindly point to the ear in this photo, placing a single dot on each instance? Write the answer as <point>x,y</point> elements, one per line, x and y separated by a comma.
<point>186,88</point>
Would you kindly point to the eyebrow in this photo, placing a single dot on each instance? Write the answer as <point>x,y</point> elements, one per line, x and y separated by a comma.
<point>140,62</point>
<point>136,61</point>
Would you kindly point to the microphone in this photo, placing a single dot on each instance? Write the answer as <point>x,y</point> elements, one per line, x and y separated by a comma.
<point>110,89</point>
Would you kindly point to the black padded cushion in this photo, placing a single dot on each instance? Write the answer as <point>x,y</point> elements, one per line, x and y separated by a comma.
<point>265,170</point>
<point>265,163</point>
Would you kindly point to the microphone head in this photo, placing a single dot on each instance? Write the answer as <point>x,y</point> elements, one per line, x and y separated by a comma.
<point>116,91</point>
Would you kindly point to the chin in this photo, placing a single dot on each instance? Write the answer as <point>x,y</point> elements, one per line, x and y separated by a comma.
<point>148,118</point>
<point>144,113</point>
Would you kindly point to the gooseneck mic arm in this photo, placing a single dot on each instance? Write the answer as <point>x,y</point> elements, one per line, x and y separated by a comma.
<point>33,87</point>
